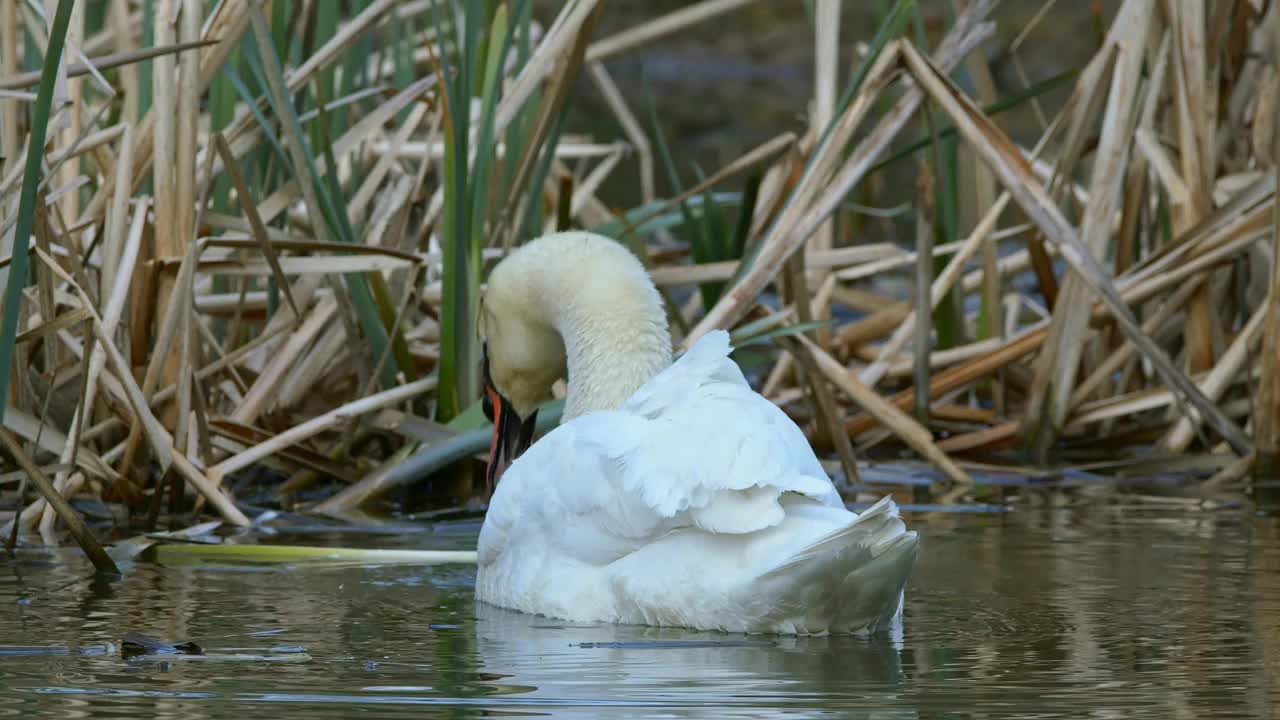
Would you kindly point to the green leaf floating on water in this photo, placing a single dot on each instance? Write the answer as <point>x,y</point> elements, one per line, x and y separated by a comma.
<point>175,554</point>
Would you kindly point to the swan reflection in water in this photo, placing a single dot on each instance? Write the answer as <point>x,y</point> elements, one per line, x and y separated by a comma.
<point>590,665</point>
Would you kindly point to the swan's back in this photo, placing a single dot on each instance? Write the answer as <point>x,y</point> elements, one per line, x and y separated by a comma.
<point>697,503</point>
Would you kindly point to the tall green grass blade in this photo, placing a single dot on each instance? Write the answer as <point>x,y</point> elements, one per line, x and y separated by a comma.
<point>517,136</point>
<point>404,71</point>
<point>458,369</point>
<point>17,273</point>
<point>281,30</point>
<point>491,89</point>
<point>326,19</point>
<point>267,130</point>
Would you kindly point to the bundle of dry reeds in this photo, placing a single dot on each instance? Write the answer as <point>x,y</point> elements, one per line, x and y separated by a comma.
<point>244,235</point>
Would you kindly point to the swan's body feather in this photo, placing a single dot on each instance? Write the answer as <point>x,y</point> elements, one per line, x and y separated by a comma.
<point>696,503</point>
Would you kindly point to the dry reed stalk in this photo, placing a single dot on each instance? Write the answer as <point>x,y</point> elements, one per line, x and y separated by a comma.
<point>111,315</point>
<point>122,386</point>
<point>357,208</point>
<point>877,324</point>
<point>1237,471</point>
<point>630,126</point>
<point>227,25</point>
<point>188,105</point>
<point>1125,352</point>
<point>319,424</point>
<point>1193,94</point>
<point>1012,349</point>
<point>49,440</point>
<point>905,367</point>
<point>980,196</point>
<point>1056,371</point>
<point>562,63</point>
<point>830,259</point>
<point>780,242</point>
<point>9,138</point>
<point>101,561</point>
<point>99,64</point>
<point>828,413</point>
<point>911,432</point>
<point>169,241</point>
<point>1266,419</point>
<point>117,212</point>
<point>71,92</point>
<point>999,153</point>
<point>681,19</point>
<point>822,186</point>
<point>1219,377</point>
<point>264,388</point>
<point>984,439</point>
<point>123,42</point>
<point>826,48</point>
<point>1152,285</point>
<point>920,321</point>
<point>245,199</point>
<point>935,291</point>
<point>279,201</point>
<point>555,46</point>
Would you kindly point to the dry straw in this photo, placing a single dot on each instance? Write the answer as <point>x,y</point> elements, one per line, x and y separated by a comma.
<point>241,247</point>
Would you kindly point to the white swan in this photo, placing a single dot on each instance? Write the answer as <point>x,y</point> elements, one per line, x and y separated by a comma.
<point>672,493</point>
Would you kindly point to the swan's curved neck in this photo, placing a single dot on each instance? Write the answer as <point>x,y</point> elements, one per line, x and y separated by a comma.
<point>610,354</point>
<point>613,325</point>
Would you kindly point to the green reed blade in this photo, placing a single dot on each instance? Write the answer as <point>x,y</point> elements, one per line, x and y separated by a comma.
<point>17,277</point>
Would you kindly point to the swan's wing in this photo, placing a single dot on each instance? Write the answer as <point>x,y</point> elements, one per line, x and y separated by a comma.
<point>694,447</point>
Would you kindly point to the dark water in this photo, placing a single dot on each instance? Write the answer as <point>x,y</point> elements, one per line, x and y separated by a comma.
<point>1114,613</point>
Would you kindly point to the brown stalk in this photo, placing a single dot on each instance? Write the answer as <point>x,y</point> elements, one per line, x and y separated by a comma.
<point>822,186</point>
<point>823,399</point>
<point>102,562</point>
<point>912,433</point>
<point>1002,157</point>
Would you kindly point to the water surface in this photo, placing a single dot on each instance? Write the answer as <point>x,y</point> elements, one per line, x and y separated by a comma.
<point>1041,613</point>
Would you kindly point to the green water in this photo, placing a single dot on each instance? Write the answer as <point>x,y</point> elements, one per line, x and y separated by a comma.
<point>1053,613</point>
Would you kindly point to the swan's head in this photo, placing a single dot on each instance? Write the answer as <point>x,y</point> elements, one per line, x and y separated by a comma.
<point>523,357</point>
<point>574,305</point>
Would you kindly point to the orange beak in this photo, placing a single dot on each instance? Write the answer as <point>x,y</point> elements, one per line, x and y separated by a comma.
<point>512,435</point>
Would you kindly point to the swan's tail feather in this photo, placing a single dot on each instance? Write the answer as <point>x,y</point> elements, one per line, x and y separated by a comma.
<point>850,579</point>
<point>875,526</point>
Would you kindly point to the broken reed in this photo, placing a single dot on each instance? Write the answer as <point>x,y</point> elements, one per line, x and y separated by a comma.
<point>257,247</point>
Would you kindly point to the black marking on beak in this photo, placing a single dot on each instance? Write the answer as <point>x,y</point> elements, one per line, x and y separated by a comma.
<point>512,435</point>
